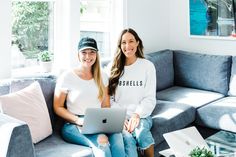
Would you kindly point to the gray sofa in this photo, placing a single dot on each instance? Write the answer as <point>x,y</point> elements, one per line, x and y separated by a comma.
<point>192,89</point>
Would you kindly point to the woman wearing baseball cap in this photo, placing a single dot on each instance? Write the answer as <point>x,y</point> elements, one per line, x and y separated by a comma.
<point>81,88</point>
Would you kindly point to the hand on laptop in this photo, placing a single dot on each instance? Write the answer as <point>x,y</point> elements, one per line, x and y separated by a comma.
<point>132,123</point>
<point>79,121</point>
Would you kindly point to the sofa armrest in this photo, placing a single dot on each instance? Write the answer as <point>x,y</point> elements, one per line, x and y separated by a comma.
<point>20,143</point>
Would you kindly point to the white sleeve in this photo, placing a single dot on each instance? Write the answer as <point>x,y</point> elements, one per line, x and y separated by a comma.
<point>61,83</point>
<point>148,102</point>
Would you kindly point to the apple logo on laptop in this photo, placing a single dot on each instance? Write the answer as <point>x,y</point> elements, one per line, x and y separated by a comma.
<point>187,142</point>
<point>104,120</point>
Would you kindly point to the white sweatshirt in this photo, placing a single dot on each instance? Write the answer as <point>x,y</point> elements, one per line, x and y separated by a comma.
<point>136,90</point>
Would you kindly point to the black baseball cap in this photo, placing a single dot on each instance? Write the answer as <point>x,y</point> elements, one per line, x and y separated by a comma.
<point>87,43</point>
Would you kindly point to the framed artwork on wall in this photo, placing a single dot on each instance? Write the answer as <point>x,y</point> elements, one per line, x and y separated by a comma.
<point>212,18</point>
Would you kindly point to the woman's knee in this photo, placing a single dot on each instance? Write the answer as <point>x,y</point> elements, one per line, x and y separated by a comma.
<point>102,140</point>
<point>143,134</point>
<point>145,139</point>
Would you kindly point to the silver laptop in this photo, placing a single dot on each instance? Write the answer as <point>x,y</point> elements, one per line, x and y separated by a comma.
<point>103,120</point>
<point>182,142</point>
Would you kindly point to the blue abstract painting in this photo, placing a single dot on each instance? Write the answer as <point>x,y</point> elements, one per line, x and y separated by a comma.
<point>212,17</point>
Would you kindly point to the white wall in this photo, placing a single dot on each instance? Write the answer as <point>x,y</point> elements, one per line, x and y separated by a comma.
<point>5,39</point>
<point>179,33</point>
<point>150,19</point>
<point>164,24</point>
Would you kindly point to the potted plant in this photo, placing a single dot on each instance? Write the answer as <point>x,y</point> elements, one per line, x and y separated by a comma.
<point>45,60</point>
<point>201,152</point>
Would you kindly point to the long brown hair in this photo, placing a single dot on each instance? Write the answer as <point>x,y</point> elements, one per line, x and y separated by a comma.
<point>96,71</point>
<point>117,68</point>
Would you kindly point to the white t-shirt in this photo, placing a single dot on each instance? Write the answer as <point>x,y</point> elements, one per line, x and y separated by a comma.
<point>136,90</point>
<point>81,94</point>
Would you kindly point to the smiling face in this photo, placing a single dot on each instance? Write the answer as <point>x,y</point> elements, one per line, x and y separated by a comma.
<point>129,45</point>
<point>87,57</point>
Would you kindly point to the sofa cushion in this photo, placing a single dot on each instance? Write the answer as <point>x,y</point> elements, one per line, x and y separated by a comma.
<point>232,84</point>
<point>163,62</point>
<point>55,145</point>
<point>170,116</point>
<point>47,84</point>
<point>202,71</point>
<point>29,106</point>
<point>190,96</point>
<point>220,114</point>
<point>4,87</point>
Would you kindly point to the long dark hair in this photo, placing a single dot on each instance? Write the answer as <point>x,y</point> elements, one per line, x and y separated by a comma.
<point>117,68</point>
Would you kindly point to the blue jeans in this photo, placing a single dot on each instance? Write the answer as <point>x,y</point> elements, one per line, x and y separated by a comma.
<point>115,148</point>
<point>140,138</point>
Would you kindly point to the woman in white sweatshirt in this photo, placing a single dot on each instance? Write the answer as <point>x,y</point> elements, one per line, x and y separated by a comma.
<point>132,85</point>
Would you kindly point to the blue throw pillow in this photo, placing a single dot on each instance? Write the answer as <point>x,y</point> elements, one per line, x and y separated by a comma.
<point>202,71</point>
<point>163,62</point>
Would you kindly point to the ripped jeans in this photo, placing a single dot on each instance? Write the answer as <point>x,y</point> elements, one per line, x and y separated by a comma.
<point>141,138</point>
<point>115,147</point>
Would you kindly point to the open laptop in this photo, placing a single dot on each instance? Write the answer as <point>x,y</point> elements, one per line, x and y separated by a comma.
<point>103,120</point>
<point>182,142</point>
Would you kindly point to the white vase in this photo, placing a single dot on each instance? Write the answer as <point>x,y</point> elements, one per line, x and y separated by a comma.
<point>46,66</point>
